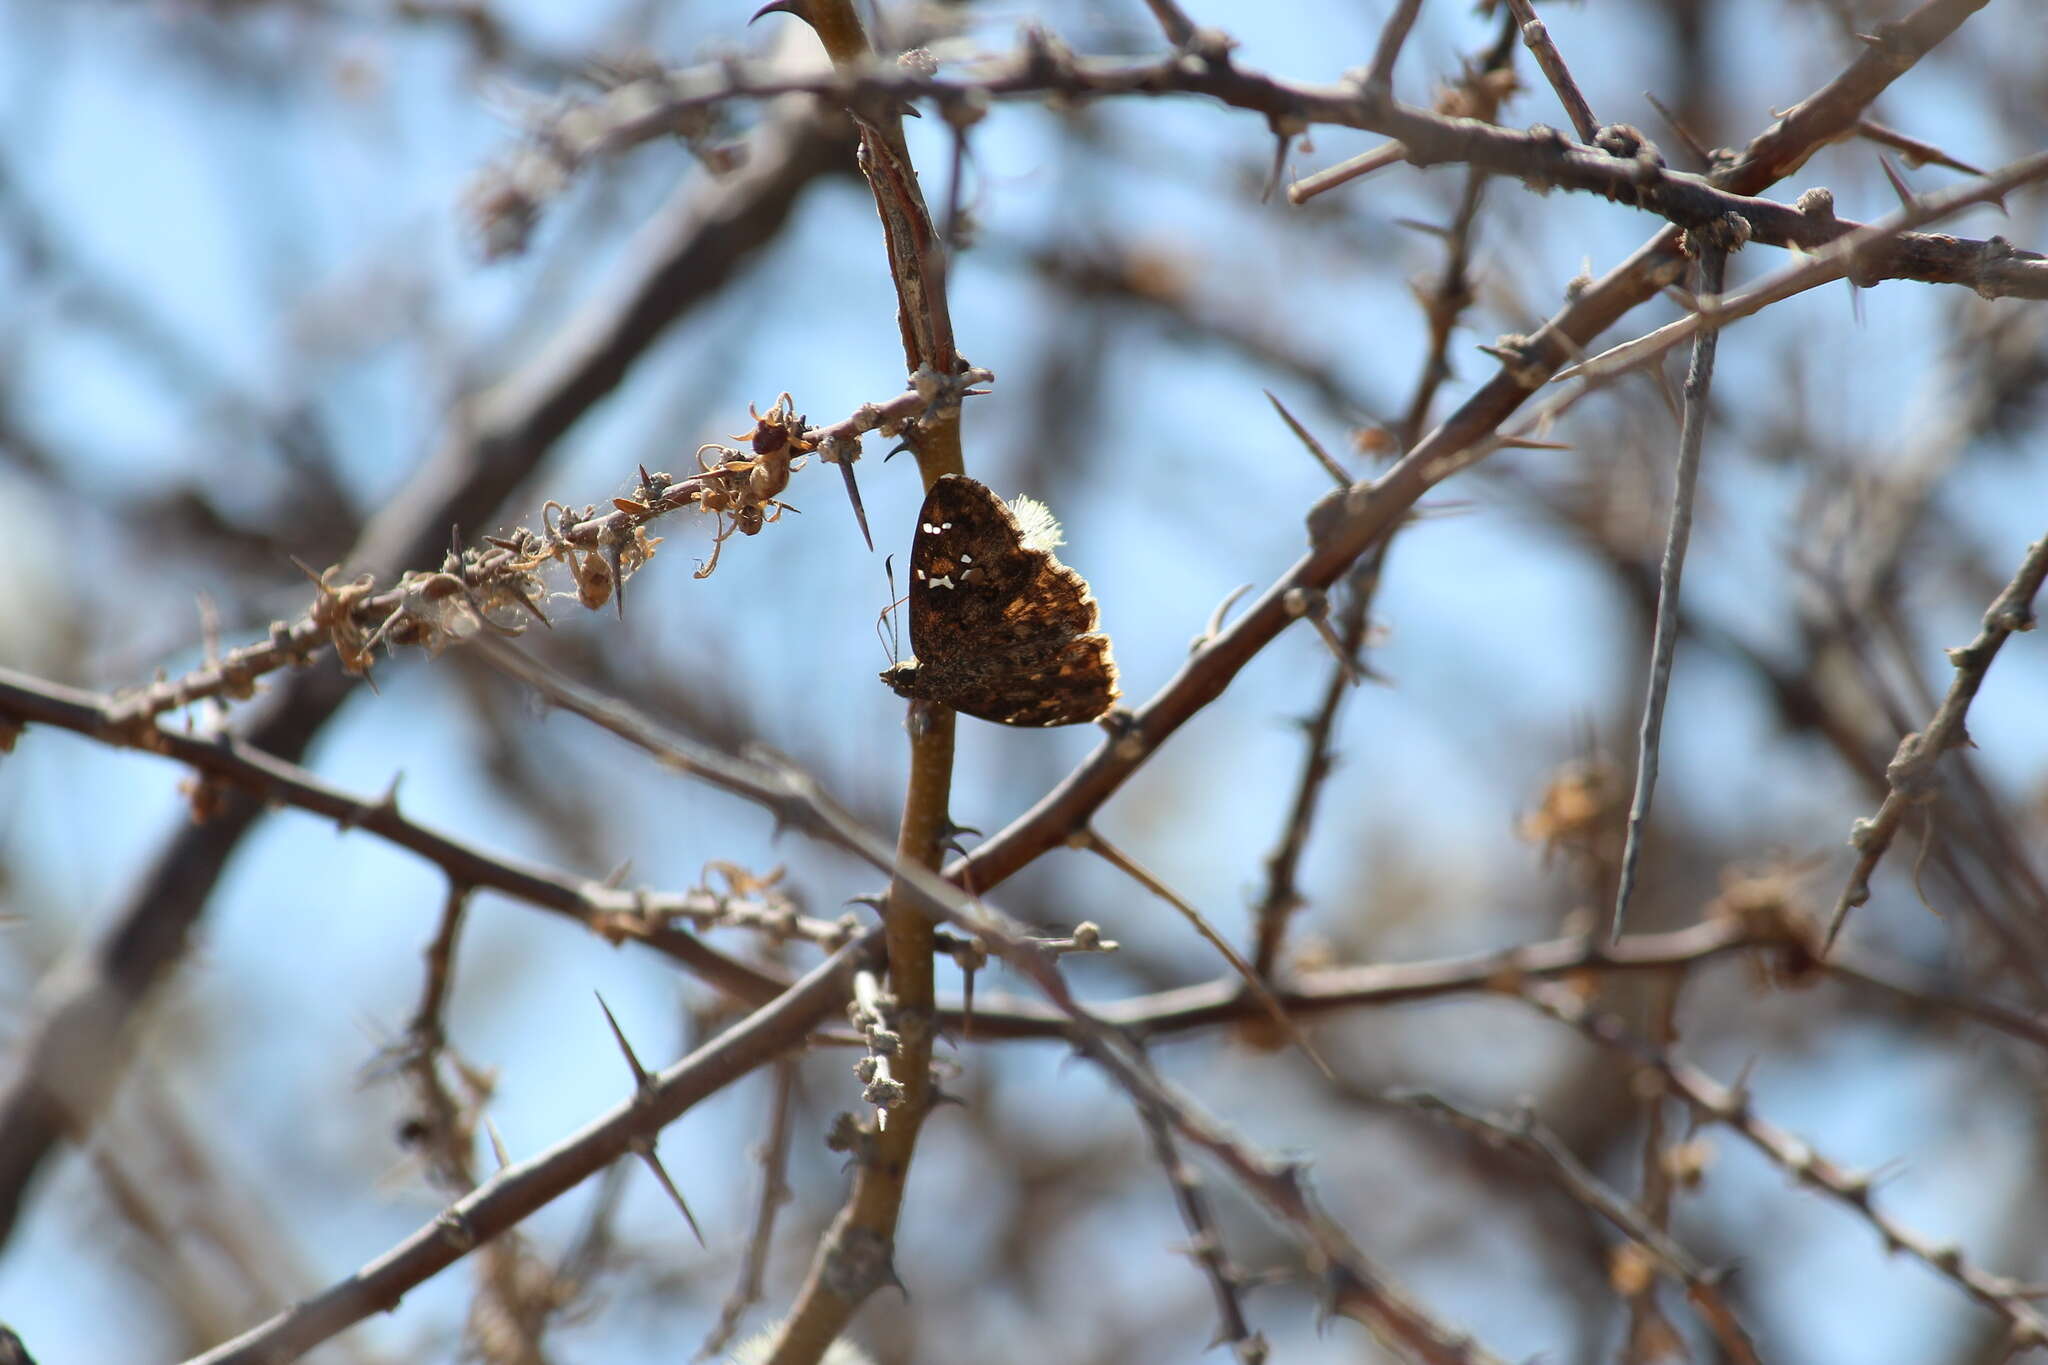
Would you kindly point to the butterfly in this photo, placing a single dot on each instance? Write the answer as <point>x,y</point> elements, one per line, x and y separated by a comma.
<point>1000,629</point>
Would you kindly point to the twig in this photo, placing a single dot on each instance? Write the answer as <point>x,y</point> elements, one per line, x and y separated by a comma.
<point>1205,1240</point>
<point>854,1259</point>
<point>1525,1133</point>
<point>350,613</point>
<point>774,1194</point>
<point>1542,157</point>
<point>1910,774</point>
<point>1348,1283</point>
<point>1730,1107</point>
<point>640,915</point>
<point>1537,36</point>
<point>1109,853</point>
<point>1345,525</point>
<point>1223,1001</point>
<point>517,1191</point>
<point>1844,257</point>
<point>692,247</point>
<point>1379,79</point>
<point>1699,381</point>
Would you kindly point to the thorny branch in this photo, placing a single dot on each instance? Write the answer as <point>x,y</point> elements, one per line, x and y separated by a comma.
<point>1344,525</point>
<point>1910,774</point>
<point>1716,1103</point>
<point>1524,1133</point>
<point>1357,1289</point>
<point>1622,168</point>
<point>421,608</point>
<point>498,589</point>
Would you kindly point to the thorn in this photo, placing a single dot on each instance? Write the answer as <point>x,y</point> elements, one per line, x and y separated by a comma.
<point>1679,130</point>
<point>654,1164</point>
<point>1436,230</point>
<point>1365,163</point>
<point>498,1148</point>
<point>1917,153</point>
<point>611,554</point>
<point>1301,433</point>
<point>1683,297</point>
<point>860,513</point>
<point>619,1035</point>
<point>1281,143</point>
<point>1215,626</point>
<point>519,596</point>
<point>1898,183</point>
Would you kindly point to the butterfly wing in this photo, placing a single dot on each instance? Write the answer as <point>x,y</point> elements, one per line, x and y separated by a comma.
<point>1062,682</point>
<point>1001,632</point>
<point>968,569</point>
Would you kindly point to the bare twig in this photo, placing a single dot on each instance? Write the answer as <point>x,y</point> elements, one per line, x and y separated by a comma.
<point>1717,1103</point>
<point>517,1191</point>
<point>1910,774</point>
<point>773,1195</point>
<point>1525,1133</point>
<point>1205,1240</point>
<point>1540,157</point>
<point>1109,853</point>
<point>1699,381</point>
<point>1846,257</point>
<point>1345,525</point>
<point>1379,78</point>
<point>1537,36</point>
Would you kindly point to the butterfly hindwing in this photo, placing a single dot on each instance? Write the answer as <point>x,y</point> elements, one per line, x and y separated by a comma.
<point>1001,630</point>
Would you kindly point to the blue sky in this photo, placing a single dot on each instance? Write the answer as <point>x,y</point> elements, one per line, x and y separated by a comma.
<point>293,226</point>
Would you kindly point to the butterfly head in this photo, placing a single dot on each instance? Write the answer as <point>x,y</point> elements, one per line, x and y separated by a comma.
<point>903,680</point>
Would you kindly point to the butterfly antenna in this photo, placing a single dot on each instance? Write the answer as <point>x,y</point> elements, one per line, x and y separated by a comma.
<point>891,641</point>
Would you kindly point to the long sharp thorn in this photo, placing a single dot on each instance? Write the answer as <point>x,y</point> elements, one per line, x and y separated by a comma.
<point>860,513</point>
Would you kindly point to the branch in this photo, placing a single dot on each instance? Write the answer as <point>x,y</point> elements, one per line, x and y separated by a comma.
<point>1345,525</point>
<point>1716,1103</point>
<point>1910,774</point>
<point>689,251</point>
<point>1628,174</point>
<point>517,1191</point>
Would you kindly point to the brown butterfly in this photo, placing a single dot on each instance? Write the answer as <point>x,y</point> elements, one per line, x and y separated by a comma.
<point>1001,630</point>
